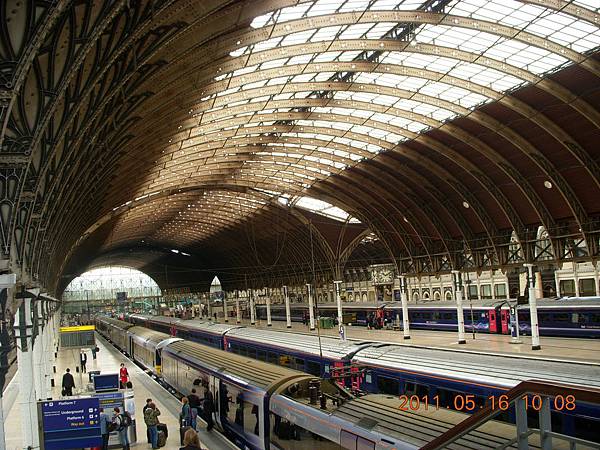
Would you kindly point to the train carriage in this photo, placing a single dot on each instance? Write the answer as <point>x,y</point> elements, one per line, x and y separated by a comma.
<point>145,347</point>
<point>442,377</point>
<point>115,330</point>
<point>302,352</point>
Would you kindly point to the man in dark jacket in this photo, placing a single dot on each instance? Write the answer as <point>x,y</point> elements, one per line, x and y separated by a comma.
<point>68,383</point>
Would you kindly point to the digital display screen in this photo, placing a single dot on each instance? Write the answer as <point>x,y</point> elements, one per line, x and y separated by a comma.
<point>69,424</point>
<point>108,382</point>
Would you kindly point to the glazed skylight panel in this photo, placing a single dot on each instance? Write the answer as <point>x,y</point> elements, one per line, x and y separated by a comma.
<point>556,26</point>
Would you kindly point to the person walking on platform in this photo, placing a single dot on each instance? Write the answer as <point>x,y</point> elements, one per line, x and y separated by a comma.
<point>83,360</point>
<point>68,383</point>
<point>123,376</point>
<point>151,419</point>
<point>191,441</point>
<point>104,423</point>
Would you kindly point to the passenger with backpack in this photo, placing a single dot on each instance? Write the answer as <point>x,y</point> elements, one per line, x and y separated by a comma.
<point>151,419</point>
<point>122,422</point>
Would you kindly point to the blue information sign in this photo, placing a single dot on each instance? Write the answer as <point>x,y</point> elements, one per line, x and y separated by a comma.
<point>73,423</point>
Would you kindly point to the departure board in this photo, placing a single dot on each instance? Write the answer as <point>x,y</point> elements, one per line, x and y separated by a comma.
<point>69,424</point>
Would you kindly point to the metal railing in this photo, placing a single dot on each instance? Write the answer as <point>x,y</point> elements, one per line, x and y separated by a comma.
<point>546,394</point>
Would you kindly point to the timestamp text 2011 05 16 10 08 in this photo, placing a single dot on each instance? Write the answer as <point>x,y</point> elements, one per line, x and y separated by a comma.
<point>467,402</point>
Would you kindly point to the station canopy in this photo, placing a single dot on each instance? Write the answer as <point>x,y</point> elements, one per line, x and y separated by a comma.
<point>266,137</point>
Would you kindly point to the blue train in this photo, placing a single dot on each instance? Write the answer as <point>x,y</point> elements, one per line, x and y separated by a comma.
<point>261,406</point>
<point>393,369</point>
<point>565,317</point>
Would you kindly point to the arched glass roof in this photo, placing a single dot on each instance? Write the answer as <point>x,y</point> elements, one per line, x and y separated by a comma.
<point>311,90</point>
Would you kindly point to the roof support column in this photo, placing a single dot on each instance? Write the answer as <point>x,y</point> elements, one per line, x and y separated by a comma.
<point>238,313</point>
<point>48,351</point>
<point>338,298</point>
<point>6,282</point>
<point>311,312</point>
<point>39,374</point>
<point>288,316</point>
<point>535,331</point>
<point>252,311</point>
<point>459,308</point>
<point>404,300</point>
<point>225,307</point>
<point>24,337</point>
<point>269,292</point>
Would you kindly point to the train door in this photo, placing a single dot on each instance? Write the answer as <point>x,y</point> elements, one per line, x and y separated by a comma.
<point>214,389</point>
<point>492,320</point>
<point>350,441</point>
<point>131,347</point>
<point>505,320</point>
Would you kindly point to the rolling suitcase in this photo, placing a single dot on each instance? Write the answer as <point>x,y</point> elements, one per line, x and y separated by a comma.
<point>163,427</point>
<point>182,430</point>
<point>162,439</point>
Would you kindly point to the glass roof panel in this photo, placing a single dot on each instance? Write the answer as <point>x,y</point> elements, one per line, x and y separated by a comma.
<point>323,208</point>
<point>266,125</point>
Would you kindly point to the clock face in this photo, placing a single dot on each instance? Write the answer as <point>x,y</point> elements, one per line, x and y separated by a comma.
<point>383,275</point>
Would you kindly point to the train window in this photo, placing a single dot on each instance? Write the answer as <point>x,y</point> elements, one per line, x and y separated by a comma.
<point>587,287</point>
<point>261,355</point>
<point>567,288</point>
<point>592,318</point>
<point>299,364</point>
<point>436,315</point>
<point>251,353</point>
<point>235,412</point>
<point>575,318</point>
<point>283,431</point>
<point>422,390</point>
<point>348,440</point>
<point>251,419</point>
<point>586,428</point>
<point>364,444</point>
<point>313,368</point>
<point>500,290</point>
<point>285,360</point>
<point>562,317</point>
<point>272,358</point>
<point>410,388</point>
<point>388,385</point>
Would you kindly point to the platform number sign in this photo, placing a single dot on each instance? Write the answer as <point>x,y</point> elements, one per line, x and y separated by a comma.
<point>70,424</point>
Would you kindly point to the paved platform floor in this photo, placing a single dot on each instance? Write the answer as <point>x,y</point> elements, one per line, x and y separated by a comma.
<point>586,350</point>
<point>109,360</point>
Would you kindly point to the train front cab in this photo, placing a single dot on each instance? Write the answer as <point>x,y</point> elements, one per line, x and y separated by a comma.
<point>499,320</point>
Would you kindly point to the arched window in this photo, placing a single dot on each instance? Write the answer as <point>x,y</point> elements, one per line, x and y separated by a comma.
<point>543,245</point>
<point>436,295</point>
<point>515,251</point>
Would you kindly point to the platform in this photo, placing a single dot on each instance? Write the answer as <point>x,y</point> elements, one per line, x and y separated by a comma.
<point>570,349</point>
<point>109,360</point>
